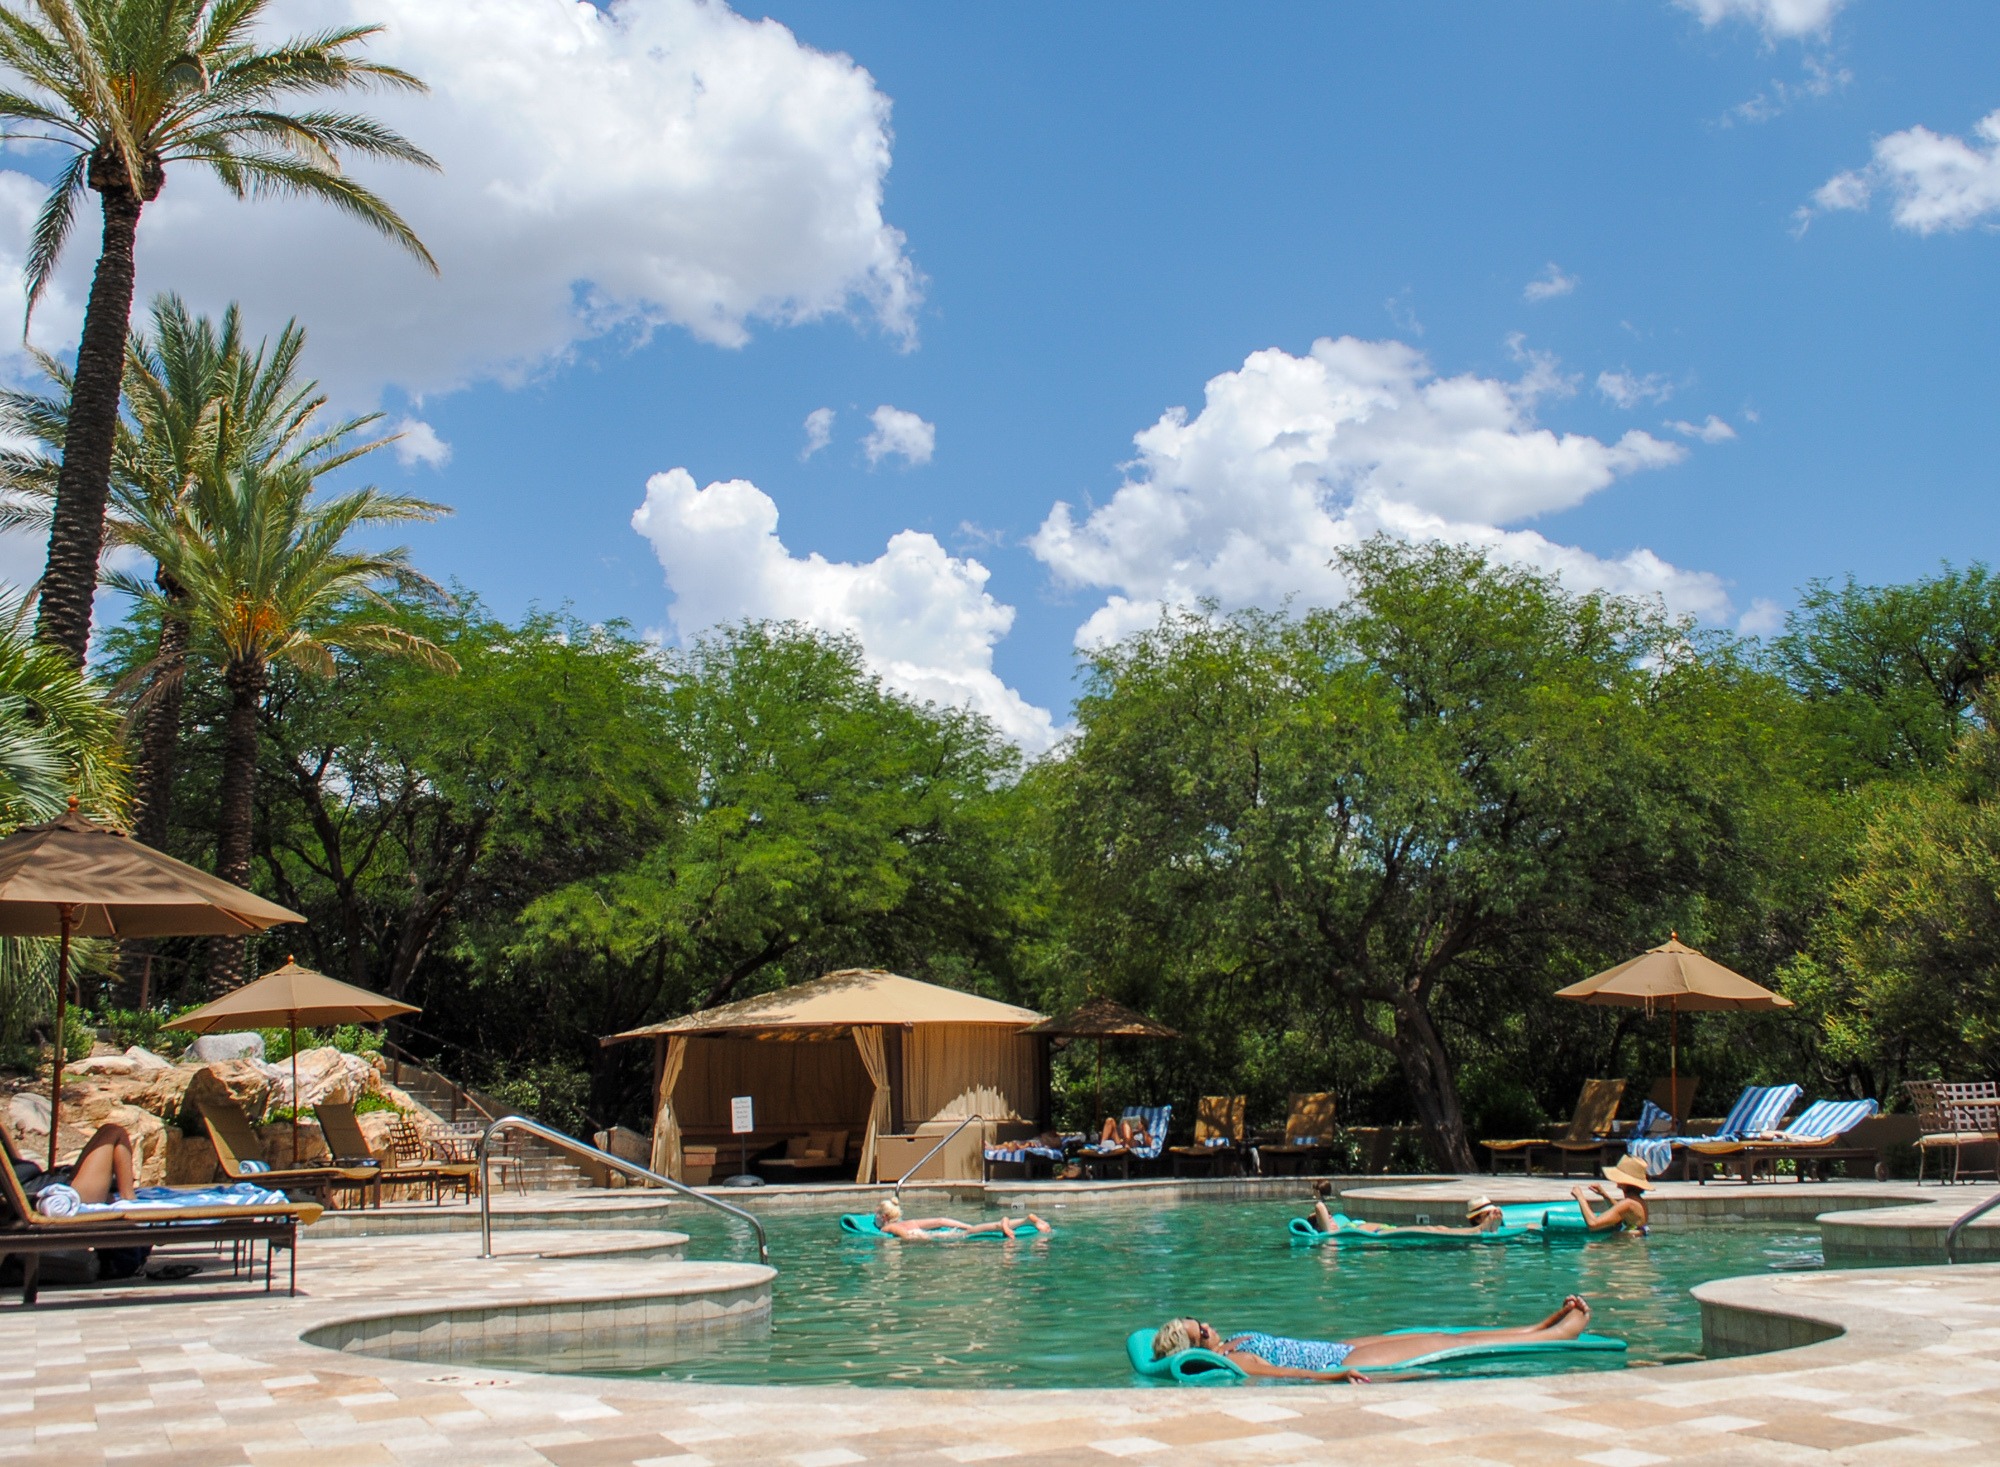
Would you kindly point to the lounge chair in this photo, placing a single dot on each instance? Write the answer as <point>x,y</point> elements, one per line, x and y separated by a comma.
<point>1585,1135</point>
<point>1218,1135</point>
<point>1154,1118</point>
<point>237,1147</point>
<point>350,1148</point>
<point>1309,1132</point>
<point>1811,1140</point>
<point>29,1234</point>
<point>815,1154</point>
<point>1757,1112</point>
<point>1954,1116</point>
<point>418,1163</point>
<point>1674,1096</point>
<point>1026,1155</point>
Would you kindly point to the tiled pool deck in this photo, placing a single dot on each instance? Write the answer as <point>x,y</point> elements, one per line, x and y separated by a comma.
<point>218,1374</point>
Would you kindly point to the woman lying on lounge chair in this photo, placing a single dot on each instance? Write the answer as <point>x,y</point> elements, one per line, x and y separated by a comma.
<point>1126,1131</point>
<point>1481,1216</point>
<point>889,1218</point>
<point>1628,1203</point>
<point>1342,1359</point>
<point>101,1170</point>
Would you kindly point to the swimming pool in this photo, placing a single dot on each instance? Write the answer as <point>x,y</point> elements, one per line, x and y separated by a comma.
<point>1055,1312</point>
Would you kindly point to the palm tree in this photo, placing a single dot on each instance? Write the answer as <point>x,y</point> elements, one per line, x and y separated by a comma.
<point>129,87</point>
<point>268,574</point>
<point>197,398</point>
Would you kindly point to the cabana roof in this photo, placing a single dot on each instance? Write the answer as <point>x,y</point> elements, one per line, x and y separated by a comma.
<point>838,1002</point>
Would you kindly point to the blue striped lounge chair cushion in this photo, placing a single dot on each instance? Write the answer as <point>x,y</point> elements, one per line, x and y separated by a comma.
<point>1758,1108</point>
<point>1049,1153</point>
<point>1652,1121</point>
<point>1155,1118</point>
<point>1824,1119</point>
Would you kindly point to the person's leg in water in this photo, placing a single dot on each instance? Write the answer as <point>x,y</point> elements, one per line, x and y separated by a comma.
<point>105,1166</point>
<point>1376,1350</point>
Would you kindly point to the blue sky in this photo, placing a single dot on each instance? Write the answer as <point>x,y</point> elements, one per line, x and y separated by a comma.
<point>1089,213</point>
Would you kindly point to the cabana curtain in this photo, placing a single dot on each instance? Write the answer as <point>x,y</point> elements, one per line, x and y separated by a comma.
<point>875,1059</point>
<point>666,1125</point>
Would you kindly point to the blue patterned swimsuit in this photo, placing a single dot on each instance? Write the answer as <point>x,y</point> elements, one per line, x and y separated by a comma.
<point>1316,1355</point>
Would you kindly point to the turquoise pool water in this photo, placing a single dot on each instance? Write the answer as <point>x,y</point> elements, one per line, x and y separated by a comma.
<point>1056,1312</point>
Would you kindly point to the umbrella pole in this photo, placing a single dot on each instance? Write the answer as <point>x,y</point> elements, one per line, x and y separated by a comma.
<point>1674,1064</point>
<point>1100,1082</point>
<point>66,914</point>
<point>295,1089</point>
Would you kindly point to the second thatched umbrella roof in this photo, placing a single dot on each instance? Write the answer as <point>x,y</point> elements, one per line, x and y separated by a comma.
<point>1100,1019</point>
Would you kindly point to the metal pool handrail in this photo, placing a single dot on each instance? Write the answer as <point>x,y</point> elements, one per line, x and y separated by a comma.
<point>898,1193</point>
<point>1951,1233</point>
<point>603,1158</point>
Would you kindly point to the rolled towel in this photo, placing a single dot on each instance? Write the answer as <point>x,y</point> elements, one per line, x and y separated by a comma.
<point>253,1166</point>
<point>56,1200</point>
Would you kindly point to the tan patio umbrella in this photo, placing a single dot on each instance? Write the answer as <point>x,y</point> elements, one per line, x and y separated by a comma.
<point>1673,976</point>
<point>71,877</point>
<point>292,996</point>
<point>1101,1019</point>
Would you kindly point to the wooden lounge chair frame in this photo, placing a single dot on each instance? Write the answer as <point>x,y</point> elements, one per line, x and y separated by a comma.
<point>1099,1161</point>
<point>351,1144</point>
<point>1957,1115</point>
<point>1218,1135</point>
<point>230,1133</point>
<point>28,1234</point>
<point>1587,1136</point>
<point>1309,1128</point>
<point>1746,1158</point>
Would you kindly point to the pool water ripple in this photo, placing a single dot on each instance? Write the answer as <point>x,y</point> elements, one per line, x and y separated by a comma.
<point>1055,1312</point>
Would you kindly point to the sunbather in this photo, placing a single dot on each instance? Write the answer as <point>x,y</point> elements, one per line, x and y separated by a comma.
<point>1481,1216</point>
<point>1047,1141</point>
<point>1628,1202</point>
<point>889,1218</point>
<point>1126,1131</point>
<point>103,1168</point>
<point>1330,1360</point>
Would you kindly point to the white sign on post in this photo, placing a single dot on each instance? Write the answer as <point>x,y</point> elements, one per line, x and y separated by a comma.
<point>740,1120</point>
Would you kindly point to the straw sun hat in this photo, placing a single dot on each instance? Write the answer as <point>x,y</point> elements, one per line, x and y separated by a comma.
<point>1477,1205</point>
<point>1630,1172</point>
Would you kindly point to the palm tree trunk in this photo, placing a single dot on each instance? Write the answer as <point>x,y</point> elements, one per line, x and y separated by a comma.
<point>76,533</point>
<point>233,844</point>
<point>159,739</point>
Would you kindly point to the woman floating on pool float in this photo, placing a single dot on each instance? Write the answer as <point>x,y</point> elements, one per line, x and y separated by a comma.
<point>1628,1203</point>
<point>1274,1355</point>
<point>889,1218</point>
<point>1481,1216</point>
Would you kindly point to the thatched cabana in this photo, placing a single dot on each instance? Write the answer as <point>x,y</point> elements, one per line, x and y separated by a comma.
<point>858,1050</point>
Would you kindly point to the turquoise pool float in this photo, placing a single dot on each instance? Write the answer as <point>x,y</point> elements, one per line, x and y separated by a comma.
<point>863,1225</point>
<point>1524,1222</point>
<point>1206,1367</point>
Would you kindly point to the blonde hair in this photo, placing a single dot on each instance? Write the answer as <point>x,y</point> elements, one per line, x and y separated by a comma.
<point>1174,1337</point>
<point>889,1209</point>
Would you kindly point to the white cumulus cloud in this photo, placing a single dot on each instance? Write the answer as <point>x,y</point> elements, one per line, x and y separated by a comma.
<point>1293,458</point>
<point>1712,431</point>
<point>819,431</point>
<point>420,444</point>
<point>923,617</point>
<point>1764,617</point>
<point>1628,389</point>
<point>1934,181</point>
<point>1548,285</point>
<point>1778,19</point>
<point>614,169</point>
<point>901,435</point>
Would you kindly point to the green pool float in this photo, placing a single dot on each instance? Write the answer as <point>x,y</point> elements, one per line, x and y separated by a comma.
<point>863,1225</point>
<point>1527,1222</point>
<point>1206,1367</point>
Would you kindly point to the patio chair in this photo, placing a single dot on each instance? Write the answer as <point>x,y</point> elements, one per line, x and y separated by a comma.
<point>1757,1111</point>
<point>1954,1116</point>
<point>350,1147</point>
<point>1674,1097</point>
<point>1811,1140</point>
<point>418,1165</point>
<point>1309,1132</point>
<point>1154,1118</point>
<point>1218,1135</point>
<point>29,1234</point>
<point>236,1152</point>
<point>1585,1135</point>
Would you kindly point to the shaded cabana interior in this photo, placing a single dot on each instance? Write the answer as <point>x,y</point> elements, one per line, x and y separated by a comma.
<point>848,1073</point>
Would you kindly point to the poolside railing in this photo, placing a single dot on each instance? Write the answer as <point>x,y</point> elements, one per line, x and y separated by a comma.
<point>1952,1232</point>
<point>602,1158</point>
<point>943,1141</point>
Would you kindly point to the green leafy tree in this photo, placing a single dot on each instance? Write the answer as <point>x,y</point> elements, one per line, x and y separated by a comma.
<point>1892,673</point>
<point>129,89</point>
<point>1438,797</point>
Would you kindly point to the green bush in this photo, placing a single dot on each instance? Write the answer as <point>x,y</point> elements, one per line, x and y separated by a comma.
<point>146,1028</point>
<point>551,1091</point>
<point>347,1038</point>
<point>369,1104</point>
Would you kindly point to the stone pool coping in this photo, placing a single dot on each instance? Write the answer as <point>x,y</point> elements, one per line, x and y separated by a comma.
<point>222,1376</point>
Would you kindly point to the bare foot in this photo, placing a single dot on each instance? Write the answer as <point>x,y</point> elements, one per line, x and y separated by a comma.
<point>1040,1226</point>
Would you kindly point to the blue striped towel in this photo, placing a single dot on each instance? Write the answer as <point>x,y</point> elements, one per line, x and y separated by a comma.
<point>1825,1119</point>
<point>1022,1153</point>
<point>1757,1110</point>
<point>1653,1121</point>
<point>1154,1119</point>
